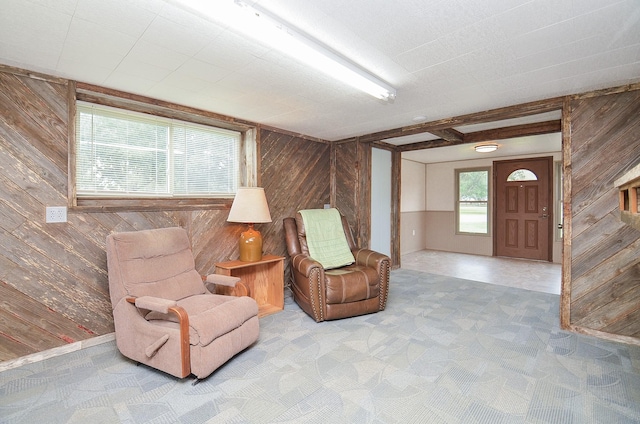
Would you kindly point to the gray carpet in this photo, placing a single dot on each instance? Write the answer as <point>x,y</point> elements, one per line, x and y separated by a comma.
<point>445,350</point>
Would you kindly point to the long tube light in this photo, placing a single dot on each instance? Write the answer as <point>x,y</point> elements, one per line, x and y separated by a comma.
<point>258,24</point>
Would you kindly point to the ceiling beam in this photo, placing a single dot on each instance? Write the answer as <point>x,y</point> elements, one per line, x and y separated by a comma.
<point>509,112</point>
<point>449,134</point>
<point>536,128</point>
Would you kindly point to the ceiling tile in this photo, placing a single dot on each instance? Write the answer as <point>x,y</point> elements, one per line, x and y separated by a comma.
<point>184,18</point>
<point>67,7</point>
<point>26,26</point>
<point>197,69</point>
<point>156,55</point>
<point>88,36</point>
<point>35,60</point>
<point>176,37</point>
<point>231,51</point>
<point>129,83</point>
<point>123,16</point>
<point>137,68</point>
<point>92,72</point>
<point>425,56</point>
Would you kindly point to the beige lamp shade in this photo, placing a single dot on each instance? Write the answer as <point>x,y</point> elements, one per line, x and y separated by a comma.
<point>249,206</point>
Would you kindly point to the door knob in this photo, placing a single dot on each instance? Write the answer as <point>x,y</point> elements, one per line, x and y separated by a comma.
<point>544,213</point>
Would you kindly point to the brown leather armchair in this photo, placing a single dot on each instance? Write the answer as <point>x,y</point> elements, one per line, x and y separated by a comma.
<point>165,315</point>
<point>356,289</point>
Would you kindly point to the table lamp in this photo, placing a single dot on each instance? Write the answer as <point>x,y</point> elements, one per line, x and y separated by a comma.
<point>250,207</point>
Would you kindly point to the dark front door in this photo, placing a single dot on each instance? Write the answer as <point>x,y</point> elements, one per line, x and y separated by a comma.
<point>523,220</point>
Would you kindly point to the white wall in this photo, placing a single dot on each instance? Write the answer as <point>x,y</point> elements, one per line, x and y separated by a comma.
<point>381,201</point>
<point>413,204</point>
<point>414,193</point>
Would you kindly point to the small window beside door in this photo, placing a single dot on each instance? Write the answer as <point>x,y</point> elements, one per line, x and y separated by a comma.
<point>472,201</point>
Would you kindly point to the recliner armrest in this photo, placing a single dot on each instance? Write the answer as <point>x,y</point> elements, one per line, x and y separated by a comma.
<point>165,306</point>
<point>222,280</point>
<point>152,303</point>
<point>304,264</point>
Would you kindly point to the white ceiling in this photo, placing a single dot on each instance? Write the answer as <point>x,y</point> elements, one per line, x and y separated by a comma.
<point>445,57</point>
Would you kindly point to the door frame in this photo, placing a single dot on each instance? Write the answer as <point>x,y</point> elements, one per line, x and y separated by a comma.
<point>550,219</point>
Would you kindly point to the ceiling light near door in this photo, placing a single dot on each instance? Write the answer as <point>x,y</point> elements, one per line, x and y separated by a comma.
<point>258,24</point>
<point>486,148</point>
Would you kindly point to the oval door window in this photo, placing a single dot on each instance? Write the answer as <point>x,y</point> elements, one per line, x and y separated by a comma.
<point>522,175</point>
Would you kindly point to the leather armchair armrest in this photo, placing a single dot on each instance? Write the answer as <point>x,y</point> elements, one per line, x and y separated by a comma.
<point>309,285</point>
<point>304,264</point>
<point>366,257</point>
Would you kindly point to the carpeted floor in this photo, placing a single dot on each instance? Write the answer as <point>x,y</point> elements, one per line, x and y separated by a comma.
<point>445,350</point>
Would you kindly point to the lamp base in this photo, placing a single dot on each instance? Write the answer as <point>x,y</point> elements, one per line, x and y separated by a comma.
<point>250,245</point>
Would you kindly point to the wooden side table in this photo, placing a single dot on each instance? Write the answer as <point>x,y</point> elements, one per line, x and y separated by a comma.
<point>263,279</point>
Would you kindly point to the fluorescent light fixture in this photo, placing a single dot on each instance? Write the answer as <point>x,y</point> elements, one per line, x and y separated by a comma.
<point>486,148</point>
<point>266,28</point>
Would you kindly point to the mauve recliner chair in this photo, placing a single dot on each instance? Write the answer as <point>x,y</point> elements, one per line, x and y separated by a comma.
<point>164,314</point>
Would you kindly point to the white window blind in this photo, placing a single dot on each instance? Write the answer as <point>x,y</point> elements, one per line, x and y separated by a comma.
<point>130,154</point>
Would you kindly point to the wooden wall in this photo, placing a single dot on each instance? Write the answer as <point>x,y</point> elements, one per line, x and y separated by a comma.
<point>351,191</point>
<point>601,291</point>
<point>351,187</point>
<point>295,175</point>
<point>53,278</point>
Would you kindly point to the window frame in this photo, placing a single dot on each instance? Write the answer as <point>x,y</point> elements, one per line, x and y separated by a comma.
<point>248,162</point>
<point>488,202</point>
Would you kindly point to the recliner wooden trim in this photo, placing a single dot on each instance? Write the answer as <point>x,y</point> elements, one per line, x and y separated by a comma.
<point>185,352</point>
<point>183,320</point>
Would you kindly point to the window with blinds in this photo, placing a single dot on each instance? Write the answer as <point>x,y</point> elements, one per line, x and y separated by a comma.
<point>129,154</point>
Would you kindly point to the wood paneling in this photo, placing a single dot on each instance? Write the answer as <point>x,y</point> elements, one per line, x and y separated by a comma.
<point>295,175</point>
<point>352,187</point>
<point>604,252</point>
<point>351,191</point>
<point>53,277</point>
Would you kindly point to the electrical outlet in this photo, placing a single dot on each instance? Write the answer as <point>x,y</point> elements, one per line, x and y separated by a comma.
<point>56,214</point>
